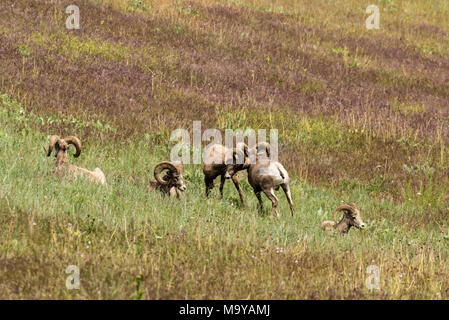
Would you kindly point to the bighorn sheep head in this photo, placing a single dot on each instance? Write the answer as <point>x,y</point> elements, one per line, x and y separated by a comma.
<point>242,157</point>
<point>174,176</point>
<point>351,218</point>
<point>351,215</point>
<point>239,161</point>
<point>63,145</point>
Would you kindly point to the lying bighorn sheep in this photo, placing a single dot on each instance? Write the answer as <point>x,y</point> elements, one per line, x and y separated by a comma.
<point>63,167</point>
<point>219,161</point>
<point>173,182</point>
<point>266,175</point>
<point>351,217</point>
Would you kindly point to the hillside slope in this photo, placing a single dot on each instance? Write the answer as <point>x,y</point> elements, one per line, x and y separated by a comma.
<point>362,116</point>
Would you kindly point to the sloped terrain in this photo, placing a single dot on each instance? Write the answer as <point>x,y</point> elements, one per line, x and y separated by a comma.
<point>362,115</point>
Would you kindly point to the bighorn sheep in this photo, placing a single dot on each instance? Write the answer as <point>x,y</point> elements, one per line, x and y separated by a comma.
<point>351,217</point>
<point>266,175</point>
<point>221,161</point>
<point>173,182</point>
<point>63,167</point>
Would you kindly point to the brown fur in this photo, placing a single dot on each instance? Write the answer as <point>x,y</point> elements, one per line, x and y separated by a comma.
<point>63,167</point>
<point>351,218</point>
<point>266,176</point>
<point>220,161</point>
<point>172,183</point>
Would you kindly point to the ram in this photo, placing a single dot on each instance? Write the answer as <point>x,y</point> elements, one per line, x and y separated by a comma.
<point>351,218</point>
<point>172,183</point>
<point>220,161</point>
<point>266,175</point>
<point>63,167</point>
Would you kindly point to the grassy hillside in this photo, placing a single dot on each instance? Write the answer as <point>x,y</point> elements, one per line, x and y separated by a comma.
<point>362,115</point>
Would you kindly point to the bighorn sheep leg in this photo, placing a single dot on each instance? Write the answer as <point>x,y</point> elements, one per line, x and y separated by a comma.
<point>222,181</point>
<point>274,200</point>
<point>259,197</point>
<point>237,186</point>
<point>209,185</point>
<point>288,195</point>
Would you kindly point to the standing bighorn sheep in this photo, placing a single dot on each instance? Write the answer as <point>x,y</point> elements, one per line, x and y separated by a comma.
<point>63,167</point>
<point>172,183</point>
<point>220,161</point>
<point>351,218</point>
<point>266,175</point>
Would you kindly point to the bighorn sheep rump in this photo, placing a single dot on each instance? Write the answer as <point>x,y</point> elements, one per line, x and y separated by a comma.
<point>351,218</point>
<point>266,175</point>
<point>61,146</point>
<point>172,183</point>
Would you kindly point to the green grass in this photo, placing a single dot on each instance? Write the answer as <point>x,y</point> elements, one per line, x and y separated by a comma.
<point>118,235</point>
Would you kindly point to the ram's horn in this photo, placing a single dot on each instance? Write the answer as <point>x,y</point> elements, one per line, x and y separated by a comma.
<point>341,208</point>
<point>162,166</point>
<point>76,142</point>
<point>53,140</point>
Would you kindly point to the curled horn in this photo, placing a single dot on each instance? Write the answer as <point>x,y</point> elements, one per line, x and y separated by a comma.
<point>53,141</point>
<point>76,142</point>
<point>340,208</point>
<point>162,166</point>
